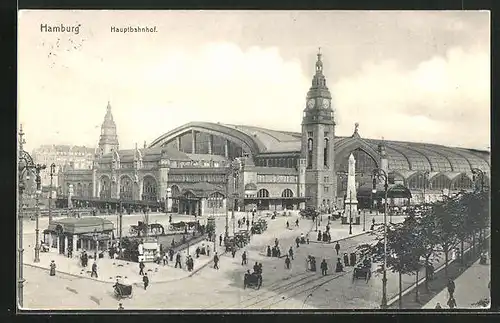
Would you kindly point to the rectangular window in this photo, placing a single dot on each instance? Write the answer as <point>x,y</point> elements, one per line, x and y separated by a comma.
<point>325,179</point>
<point>326,189</point>
<point>326,134</point>
<point>310,134</point>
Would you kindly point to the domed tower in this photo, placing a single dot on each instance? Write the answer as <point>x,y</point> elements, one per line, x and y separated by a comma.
<point>108,140</point>
<point>318,131</point>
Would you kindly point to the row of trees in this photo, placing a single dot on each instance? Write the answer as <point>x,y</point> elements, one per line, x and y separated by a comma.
<point>427,235</point>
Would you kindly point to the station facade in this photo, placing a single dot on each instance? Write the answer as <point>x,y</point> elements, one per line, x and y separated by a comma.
<point>200,167</point>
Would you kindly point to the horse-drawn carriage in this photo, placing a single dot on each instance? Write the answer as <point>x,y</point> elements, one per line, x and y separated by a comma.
<point>181,226</point>
<point>153,228</point>
<point>253,280</point>
<point>122,290</point>
<point>259,227</point>
<point>363,270</point>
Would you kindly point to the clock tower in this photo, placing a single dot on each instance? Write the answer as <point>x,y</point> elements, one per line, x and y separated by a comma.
<point>318,131</point>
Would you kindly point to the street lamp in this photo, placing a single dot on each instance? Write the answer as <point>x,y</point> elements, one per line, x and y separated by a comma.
<point>38,169</point>
<point>25,166</point>
<point>52,172</point>
<point>232,171</point>
<point>381,174</point>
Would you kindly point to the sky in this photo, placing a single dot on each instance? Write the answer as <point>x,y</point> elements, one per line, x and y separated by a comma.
<point>411,76</point>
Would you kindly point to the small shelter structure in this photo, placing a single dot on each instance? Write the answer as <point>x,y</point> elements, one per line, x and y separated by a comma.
<point>90,233</point>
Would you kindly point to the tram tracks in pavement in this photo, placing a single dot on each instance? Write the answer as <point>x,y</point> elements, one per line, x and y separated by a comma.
<point>312,288</point>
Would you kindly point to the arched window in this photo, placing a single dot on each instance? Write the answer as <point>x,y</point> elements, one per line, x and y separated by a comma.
<point>126,188</point>
<point>364,162</point>
<point>440,182</point>
<point>149,189</point>
<point>105,192</point>
<point>263,193</point>
<point>79,190</point>
<point>215,200</point>
<point>325,153</point>
<point>309,152</point>
<point>418,181</point>
<point>462,182</point>
<point>287,193</point>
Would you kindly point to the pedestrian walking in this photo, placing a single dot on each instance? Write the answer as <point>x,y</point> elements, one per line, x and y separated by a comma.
<point>94,270</point>
<point>256,267</point>
<point>319,235</point>
<point>165,260</point>
<point>287,225</point>
<point>178,261</point>
<point>290,252</point>
<point>52,268</point>
<point>216,261</point>
<point>220,240</point>
<point>452,303</point>
<point>145,280</point>
<point>120,307</point>
<point>297,223</point>
<point>346,260</point>
<point>327,228</point>
<point>297,242</point>
<point>171,254</point>
<point>233,251</point>
<point>244,258</point>
<point>451,288</point>
<point>141,267</point>
<point>170,219</point>
<point>198,252</point>
<point>287,262</point>
<point>324,267</point>
<point>239,223</point>
<point>208,251</point>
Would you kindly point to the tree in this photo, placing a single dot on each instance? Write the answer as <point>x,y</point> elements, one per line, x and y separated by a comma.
<point>404,250</point>
<point>427,227</point>
<point>448,214</point>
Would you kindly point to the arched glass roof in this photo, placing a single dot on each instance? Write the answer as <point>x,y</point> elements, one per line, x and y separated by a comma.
<point>396,160</point>
<point>417,160</point>
<point>458,162</point>
<point>437,161</point>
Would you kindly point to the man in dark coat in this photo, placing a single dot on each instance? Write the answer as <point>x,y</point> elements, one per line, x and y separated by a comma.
<point>297,242</point>
<point>94,270</point>
<point>297,223</point>
<point>287,262</point>
<point>171,254</point>
<point>269,251</point>
<point>244,258</point>
<point>141,268</point>
<point>346,260</point>
<point>451,288</point>
<point>145,280</point>
<point>324,267</point>
<point>256,267</point>
<point>178,260</point>
<point>198,252</point>
<point>339,268</point>
<point>233,251</point>
<point>216,261</point>
<point>352,259</point>
<point>319,235</point>
<point>220,240</point>
<point>290,252</point>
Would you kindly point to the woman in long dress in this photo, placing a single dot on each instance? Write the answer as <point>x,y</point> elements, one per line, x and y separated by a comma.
<point>52,268</point>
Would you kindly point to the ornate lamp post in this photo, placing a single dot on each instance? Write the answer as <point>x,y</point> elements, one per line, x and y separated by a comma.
<point>381,174</point>
<point>233,171</point>
<point>38,168</point>
<point>25,166</point>
<point>52,172</point>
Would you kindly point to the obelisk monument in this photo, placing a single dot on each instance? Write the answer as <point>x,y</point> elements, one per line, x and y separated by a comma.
<point>351,202</point>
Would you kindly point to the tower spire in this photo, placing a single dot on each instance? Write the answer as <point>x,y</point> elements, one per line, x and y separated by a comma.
<point>109,139</point>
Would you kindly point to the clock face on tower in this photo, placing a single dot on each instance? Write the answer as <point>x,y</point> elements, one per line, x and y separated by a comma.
<point>326,103</point>
<point>310,103</point>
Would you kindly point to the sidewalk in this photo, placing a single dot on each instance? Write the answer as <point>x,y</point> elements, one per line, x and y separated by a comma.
<point>470,287</point>
<point>111,269</point>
